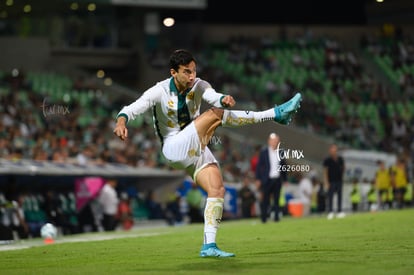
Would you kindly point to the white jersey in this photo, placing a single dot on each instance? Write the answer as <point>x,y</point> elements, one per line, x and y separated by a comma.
<point>163,97</point>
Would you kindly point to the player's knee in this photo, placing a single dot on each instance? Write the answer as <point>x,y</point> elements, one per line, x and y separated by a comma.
<point>217,191</point>
<point>222,191</point>
<point>217,112</point>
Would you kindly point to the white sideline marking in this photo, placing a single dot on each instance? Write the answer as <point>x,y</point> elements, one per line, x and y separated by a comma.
<point>23,244</point>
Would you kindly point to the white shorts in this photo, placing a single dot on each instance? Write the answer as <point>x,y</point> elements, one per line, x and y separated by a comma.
<point>183,151</point>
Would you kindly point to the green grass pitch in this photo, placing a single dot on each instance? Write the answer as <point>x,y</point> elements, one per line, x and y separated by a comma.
<point>363,243</point>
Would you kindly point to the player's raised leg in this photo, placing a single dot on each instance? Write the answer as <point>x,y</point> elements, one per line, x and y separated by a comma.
<point>280,113</point>
<point>207,123</point>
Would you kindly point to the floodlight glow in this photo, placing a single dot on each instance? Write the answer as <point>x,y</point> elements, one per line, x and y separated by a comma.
<point>169,22</point>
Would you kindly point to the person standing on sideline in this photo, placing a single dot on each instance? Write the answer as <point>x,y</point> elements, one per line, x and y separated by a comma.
<point>399,181</point>
<point>108,199</point>
<point>305,191</point>
<point>383,185</point>
<point>271,175</point>
<point>185,133</point>
<point>333,172</point>
<point>124,216</point>
<point>255,158</point>
<point>372,197</point>
<point>355,195</point>
<point>247,198</point>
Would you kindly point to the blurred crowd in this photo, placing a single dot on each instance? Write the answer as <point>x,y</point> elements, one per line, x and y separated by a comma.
<point>345,99</point>
<point>80,131</point>
<point>35,126</point>
<point>48,129</point>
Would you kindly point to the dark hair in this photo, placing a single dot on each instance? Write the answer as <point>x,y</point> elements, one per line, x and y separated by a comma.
<point>180,57</point>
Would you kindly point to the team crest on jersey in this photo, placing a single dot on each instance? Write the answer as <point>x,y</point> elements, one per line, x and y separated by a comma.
<point>190,95</point>
<point>170,112</point>
<point>192,152</point>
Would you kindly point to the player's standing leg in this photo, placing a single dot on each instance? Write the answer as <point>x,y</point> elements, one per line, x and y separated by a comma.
<point>210,179</point>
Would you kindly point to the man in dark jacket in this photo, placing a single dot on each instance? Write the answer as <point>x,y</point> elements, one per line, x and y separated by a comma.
<point>271,173</point>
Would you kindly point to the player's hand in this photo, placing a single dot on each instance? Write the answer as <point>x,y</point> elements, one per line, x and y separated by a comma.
<point>228,101</point>
<point>121,130</point>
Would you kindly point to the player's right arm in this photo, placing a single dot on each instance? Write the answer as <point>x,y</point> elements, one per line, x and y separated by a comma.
<point>211,96</point>
<point>147,100</point>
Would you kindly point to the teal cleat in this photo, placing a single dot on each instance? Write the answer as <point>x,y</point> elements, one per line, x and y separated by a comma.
<point>285,112</point>
<point>211,250</point>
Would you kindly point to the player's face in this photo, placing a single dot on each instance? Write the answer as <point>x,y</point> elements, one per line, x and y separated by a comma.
<point>185,76</point>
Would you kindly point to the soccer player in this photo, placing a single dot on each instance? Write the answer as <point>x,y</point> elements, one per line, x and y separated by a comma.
<point>185,134</point>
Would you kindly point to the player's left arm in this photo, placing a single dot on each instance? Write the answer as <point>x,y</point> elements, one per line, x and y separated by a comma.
<point>213,97</point>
